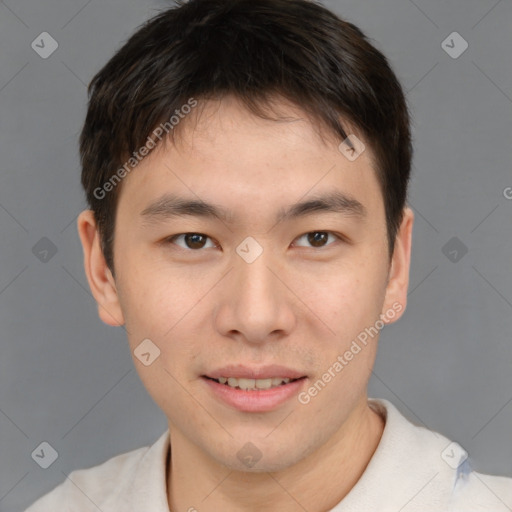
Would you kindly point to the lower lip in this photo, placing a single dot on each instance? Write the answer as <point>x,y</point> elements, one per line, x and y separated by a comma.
<point>261,400</point>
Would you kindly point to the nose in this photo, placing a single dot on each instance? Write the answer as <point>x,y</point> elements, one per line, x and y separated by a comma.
<point>256,305</point>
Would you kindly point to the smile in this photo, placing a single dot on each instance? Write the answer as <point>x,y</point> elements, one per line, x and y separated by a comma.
<point>253,384</point>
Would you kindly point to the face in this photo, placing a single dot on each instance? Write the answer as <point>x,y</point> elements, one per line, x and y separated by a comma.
<point>252,282</point>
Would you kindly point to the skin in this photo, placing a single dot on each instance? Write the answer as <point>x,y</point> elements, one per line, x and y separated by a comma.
<point>297,304</point>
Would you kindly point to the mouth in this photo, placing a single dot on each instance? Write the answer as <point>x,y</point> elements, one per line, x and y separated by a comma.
<point>253,384</point>
<point>254,395</point>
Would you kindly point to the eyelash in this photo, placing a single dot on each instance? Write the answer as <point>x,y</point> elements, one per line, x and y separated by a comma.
<point>171,240</point>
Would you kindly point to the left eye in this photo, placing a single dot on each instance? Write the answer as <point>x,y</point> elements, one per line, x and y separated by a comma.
<point>318,238</point>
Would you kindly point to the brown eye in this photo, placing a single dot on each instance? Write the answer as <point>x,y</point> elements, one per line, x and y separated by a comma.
<point>318,238</point>
<point>192,240</point>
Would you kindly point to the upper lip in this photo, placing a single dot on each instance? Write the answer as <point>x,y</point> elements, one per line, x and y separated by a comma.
<point>246,372</point>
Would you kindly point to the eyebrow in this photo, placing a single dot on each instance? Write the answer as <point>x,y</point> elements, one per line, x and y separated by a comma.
<point>170,206</point>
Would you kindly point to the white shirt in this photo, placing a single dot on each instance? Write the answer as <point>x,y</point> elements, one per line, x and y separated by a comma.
<point>412,470</point>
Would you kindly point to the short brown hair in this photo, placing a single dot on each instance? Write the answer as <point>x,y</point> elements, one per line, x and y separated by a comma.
<point>255,50</point>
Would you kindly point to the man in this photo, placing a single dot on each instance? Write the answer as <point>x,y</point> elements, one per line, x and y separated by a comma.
<point>246,165</point>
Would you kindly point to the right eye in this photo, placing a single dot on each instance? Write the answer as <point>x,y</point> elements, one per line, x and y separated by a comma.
<point>192,241</point>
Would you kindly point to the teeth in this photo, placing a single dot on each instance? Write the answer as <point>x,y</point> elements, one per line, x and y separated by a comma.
<point>263,383</point>
<point>276,381</point>
<point>253,384</point>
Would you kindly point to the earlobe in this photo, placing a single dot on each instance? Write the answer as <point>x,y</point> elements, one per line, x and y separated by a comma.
<point>398,279</point>
<point>99,276</point>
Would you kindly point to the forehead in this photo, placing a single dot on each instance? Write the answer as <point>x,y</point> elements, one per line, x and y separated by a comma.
<point>225,155</point>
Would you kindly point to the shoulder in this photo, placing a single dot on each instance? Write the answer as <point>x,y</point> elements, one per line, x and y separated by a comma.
<point>477,492</point>
<point>86,489</point>
<point>434,473</point>
<point>106,485</point>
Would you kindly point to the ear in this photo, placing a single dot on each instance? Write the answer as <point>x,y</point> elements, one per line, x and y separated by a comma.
<point>99,276</point>
<point>398,277</point>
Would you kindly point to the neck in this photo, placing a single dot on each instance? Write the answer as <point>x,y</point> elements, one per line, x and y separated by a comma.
<point>316,483</point>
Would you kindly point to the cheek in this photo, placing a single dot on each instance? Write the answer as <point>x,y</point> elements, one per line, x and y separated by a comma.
<point>169,309</point>
<point>151,298</point>
<point>347,297</point>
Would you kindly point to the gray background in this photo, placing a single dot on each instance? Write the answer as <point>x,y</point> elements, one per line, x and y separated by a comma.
<point>67,379</point>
